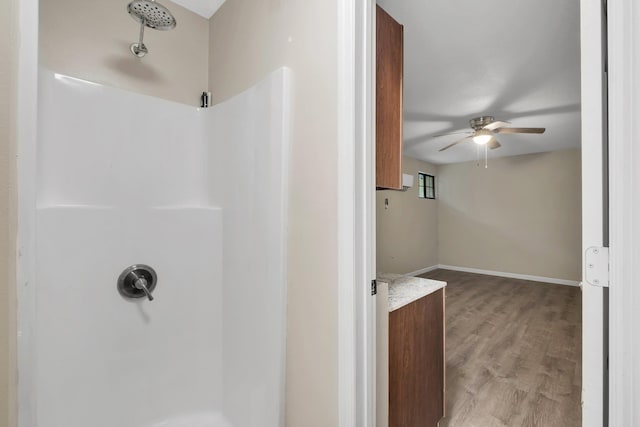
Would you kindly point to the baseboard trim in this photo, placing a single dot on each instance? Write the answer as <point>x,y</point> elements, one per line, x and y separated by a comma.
<point>511,275</point>
<point>496,273</point>
<point>423,270</point>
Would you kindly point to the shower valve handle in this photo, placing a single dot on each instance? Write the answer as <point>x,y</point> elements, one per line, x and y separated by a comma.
<point>141,283</point>
<point>137,281</point>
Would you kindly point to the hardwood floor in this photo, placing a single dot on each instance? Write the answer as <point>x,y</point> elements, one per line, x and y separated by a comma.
<point>513,352</point>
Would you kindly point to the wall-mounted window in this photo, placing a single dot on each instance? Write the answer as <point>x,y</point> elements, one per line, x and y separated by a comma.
<point>426,186</point>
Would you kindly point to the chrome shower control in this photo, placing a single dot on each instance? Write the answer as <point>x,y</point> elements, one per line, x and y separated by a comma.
<point>137,281</point>
<point>141,283</point>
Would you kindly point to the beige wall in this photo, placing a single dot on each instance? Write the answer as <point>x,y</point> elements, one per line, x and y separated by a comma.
<point>407,231</point>
<point>248,40</point>
<point>521,215</point>
<point>8,45</point>
<point>90,39</point>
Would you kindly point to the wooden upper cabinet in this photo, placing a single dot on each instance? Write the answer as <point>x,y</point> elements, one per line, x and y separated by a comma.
<point>389,59</point>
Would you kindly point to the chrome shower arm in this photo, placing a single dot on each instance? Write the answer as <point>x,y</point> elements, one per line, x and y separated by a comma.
<point>139,49</point>
<point>142,24</point>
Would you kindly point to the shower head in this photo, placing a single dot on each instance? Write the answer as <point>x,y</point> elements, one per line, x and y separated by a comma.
<point>150,14</point>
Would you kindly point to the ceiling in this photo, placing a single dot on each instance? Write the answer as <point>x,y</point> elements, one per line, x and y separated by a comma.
<point>204,8</point>
<point>516,60</point>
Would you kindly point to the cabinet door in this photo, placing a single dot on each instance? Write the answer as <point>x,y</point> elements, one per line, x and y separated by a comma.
<point>389,59</point>
<point>417,363</point>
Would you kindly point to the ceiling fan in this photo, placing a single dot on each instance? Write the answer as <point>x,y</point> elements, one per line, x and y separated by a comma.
<point>484,128</point>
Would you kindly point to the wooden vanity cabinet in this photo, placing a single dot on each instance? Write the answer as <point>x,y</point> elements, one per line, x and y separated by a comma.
<point>416,362</point>
<point>389,70</point>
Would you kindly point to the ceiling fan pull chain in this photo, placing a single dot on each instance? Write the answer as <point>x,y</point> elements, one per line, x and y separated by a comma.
<point>486,165</point>
<point>477,155</point>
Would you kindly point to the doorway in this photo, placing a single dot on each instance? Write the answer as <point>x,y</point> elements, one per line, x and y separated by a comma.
<point>593,206</point>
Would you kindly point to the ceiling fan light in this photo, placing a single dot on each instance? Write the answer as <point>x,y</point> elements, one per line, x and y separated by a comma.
<point>482,137</point>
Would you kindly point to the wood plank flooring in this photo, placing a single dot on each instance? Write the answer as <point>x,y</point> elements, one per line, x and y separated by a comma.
<point>513,352</point>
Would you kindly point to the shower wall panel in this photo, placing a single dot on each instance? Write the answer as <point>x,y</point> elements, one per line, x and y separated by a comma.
<point>122,181</point>
<point>199,195</point>
<point>104,146</point>
<point>103,361</point>
<point>250,151</point>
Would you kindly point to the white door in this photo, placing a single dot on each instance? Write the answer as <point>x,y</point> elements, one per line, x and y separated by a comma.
<point>594,208</point>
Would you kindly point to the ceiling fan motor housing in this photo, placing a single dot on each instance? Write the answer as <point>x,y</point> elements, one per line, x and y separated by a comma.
<point>480,122</point>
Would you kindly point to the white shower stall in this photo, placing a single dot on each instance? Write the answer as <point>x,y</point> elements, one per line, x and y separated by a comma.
<point>198,194</point>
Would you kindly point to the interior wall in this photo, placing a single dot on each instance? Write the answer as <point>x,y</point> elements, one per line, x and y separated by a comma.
<point>8,44</point>
<point>521,215</point>
<point>90,40</point>
<point>248,39</point>
<point>407,231</point>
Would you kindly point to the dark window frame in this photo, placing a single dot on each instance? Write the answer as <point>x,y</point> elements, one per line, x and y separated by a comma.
<point>422,192</point>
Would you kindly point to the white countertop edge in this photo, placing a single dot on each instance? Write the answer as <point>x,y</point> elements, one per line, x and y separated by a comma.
<point>404,290</point>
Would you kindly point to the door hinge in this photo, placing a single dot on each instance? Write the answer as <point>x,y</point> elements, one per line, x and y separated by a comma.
<point>374,287</point>
<point>597,266</point>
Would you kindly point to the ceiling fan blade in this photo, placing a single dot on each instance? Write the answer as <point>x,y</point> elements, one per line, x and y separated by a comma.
<point>455,143</point>
<point>493,144</point>
<point>451,133</point>
<point>520,130</point>
<point>495,125</point>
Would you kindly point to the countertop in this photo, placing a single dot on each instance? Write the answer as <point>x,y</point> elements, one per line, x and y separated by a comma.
<point>406,289</point>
